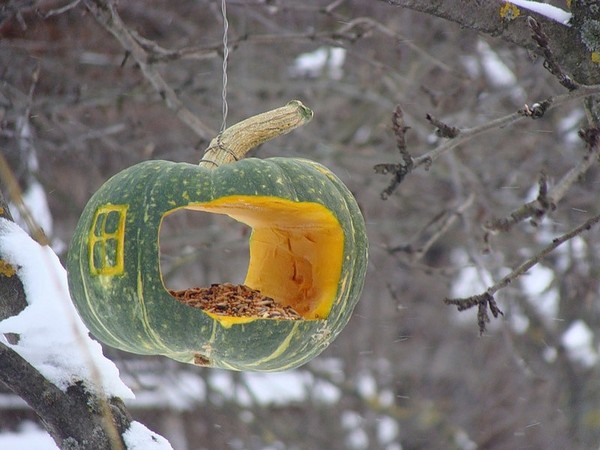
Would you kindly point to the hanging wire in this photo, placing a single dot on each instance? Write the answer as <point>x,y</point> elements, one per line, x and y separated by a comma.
<point>225,58</point>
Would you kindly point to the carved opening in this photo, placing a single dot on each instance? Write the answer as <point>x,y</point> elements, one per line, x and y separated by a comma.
<point>294,263</point>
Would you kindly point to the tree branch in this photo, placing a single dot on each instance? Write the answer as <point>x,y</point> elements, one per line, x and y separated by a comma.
<point>99,423</point>
<point>92,429</point>
<point>467,134</point>
<point>484,16</point>
<point>406,166</point>
<point>106,14</point>
<point>547,200</point>
<point>550,62</point>
<point>457,136</point>
<point>486,300</point>
<point>433,231</point>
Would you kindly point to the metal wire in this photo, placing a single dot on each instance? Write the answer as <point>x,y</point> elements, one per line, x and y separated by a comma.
<point>225,58</point>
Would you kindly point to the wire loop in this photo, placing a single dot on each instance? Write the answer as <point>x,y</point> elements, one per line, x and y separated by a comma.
<point>225,58</point>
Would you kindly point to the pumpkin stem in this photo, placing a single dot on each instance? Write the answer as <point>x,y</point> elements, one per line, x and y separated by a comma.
<point>234,142</point>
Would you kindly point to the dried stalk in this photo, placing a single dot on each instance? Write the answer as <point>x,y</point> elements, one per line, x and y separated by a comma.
<point>233,143</point>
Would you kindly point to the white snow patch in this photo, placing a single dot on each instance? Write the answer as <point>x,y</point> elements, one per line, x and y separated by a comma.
<point>324,60</point>
<point>545,232</point>
<point>550,354</point>
<point>536,283</point>
<point>387,430</point>
<point>578,248</point>
<point>569,126</point>
<point>497,72</point>
<point>366,385</point>
<point>463,441</point>
<point>537,280</point>
<point>551,12</point>
<point>277,388</point>
<point>470,281</point>
<point>138,437</point>
<point>387,398</point>
<point>471,65</point>
<point>532,193</point>
<point>575,249</point>
<point>325,392</point>
<point>518,321</point>
<point>29,436</point>
<point>394,446</point>
<point>351,419</point>
<point>37,204</point>
<point>333,367</point>
<point>180,391</point>
<point>281,388</point>
<point>221,381</point>
<point>356,437</point>
<point>578,340</point>
<point>52,337</point>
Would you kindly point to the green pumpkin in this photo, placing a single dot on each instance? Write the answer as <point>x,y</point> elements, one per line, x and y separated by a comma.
<point>308,250</point>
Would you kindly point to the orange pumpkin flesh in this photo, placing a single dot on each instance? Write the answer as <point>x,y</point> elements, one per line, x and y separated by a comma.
<point>296,251</point>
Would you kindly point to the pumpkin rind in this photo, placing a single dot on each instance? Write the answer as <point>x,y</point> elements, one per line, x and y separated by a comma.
<point>124,302</point>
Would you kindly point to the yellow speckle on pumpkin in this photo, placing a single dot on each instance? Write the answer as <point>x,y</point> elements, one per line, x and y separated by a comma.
<point>6,269</point>
<point>508,11</point>
<point>596,57</point>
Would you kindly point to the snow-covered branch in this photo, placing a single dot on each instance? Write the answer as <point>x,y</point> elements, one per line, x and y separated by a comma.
<point>48,358</point>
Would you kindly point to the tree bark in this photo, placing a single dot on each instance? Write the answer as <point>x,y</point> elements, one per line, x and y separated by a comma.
<point>76,419</point>
<point>565,41</point>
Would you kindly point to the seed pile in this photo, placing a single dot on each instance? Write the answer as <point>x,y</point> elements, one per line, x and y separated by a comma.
<point>235,300</point>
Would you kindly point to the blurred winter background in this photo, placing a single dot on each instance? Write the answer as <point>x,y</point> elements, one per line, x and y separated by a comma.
<point>408,372</point>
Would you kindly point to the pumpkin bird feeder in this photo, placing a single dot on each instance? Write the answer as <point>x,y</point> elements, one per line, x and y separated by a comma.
<point>308,253</point>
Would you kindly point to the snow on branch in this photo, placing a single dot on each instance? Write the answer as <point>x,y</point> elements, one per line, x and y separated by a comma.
<point>52,338</point>
<point>49,339</point>
<point>549,11</point>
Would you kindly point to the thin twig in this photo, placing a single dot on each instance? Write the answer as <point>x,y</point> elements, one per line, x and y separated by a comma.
<point>550,62</point>
<point>61,10</point>
<point>16,196</point>
<point>433,231</point>
<point>467,134</point>
<point>486,300</point>
<point>405,167</point>
<point>443,130</point>
<point>461,136</point>
<point>350,31</point>
<point>106,14</point>
<point>548,200</point>
<point>525,266</point>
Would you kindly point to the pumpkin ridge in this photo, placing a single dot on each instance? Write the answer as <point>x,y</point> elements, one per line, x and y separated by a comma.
<point>145,316</point>
<point>279,350</point>
<point>287,181</point>
<point>357,272</point>
<point>95,315</point>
